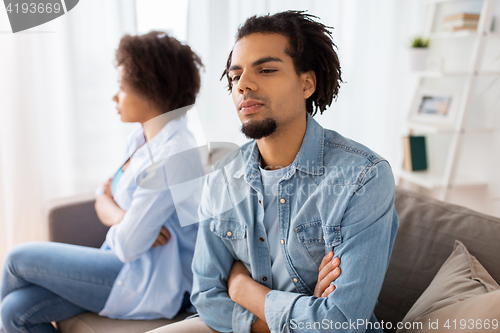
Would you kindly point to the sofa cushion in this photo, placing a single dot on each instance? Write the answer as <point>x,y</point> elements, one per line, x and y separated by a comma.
<point>93,323</point>
<point>426,236</point>
<point>454,294</point>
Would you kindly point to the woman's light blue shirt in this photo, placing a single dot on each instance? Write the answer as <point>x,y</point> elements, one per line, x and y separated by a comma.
<point>153,281</point>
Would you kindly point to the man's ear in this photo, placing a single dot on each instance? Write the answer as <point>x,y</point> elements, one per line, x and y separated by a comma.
<point>308,83</point>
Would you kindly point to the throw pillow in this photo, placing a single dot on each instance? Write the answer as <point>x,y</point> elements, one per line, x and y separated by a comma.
<point>462,297</point>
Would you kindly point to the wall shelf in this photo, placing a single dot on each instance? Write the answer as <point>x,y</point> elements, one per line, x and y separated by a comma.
<point>449,176</point>
<point>431,180</point>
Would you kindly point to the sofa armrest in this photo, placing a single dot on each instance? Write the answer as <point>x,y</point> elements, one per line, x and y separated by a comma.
<point>75,221</point>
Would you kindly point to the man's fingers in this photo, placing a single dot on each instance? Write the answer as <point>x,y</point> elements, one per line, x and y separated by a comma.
<point>329,278</point>
<point>328,291</point>
<point>330,266</point>
<point>326,260</point>
<point>326,285</point>
<point>333,275</point>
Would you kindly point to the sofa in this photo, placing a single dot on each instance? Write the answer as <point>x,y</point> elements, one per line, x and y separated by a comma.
<point>427,233</point>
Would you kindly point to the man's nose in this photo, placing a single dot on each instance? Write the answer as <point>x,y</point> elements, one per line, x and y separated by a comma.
<point>246,83</point>
<point>115,98</point>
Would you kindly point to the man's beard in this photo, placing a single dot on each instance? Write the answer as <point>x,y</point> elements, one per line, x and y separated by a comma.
<point>259,129</point>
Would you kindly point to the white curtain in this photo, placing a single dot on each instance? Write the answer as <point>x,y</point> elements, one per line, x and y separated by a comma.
<point>59,131</point>
<point>372,38</point>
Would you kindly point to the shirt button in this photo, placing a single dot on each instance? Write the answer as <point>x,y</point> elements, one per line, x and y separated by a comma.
<point>261,239</point>
<point>229,233</point>
<point>282,242</point>
<point>323,237</point>
<point>264,278</point>
<point>119,282</point>
<point>260,201</point>
<point>282,200</point>
<point>295,280</point>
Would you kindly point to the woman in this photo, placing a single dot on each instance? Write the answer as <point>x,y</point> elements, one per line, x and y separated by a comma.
<point>143,269</point>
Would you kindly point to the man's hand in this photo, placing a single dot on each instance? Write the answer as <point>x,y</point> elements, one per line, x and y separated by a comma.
<point>329,271</point>
<point>163,237</point>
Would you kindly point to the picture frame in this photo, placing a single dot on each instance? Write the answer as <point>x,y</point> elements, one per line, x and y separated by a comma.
<point>435,107</point>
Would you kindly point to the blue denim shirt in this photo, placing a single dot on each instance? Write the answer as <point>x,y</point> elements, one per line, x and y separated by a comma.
<point>338,195</point>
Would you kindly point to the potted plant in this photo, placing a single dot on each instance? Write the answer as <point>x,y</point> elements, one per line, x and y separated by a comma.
<point>418,53</point>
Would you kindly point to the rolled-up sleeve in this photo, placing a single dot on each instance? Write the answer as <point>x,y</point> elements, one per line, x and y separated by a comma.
<point>212,263</point>
<point>368,228</point>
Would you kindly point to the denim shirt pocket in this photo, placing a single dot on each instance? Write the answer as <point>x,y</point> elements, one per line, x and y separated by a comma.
<point>234,236</point>
<point>318,239</point>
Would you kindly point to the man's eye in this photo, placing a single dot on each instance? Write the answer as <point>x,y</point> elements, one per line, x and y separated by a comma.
<point>235,78</point>
<point>268,71</point>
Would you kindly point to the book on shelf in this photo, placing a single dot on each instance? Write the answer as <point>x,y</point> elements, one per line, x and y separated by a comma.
<point>462,29</point>
<point>462,25</point>
<point>415,154</point>
<point>462,16</point>
<point>459,23</point>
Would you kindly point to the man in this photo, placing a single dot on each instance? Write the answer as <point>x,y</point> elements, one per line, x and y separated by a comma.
<point>308,191</point>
